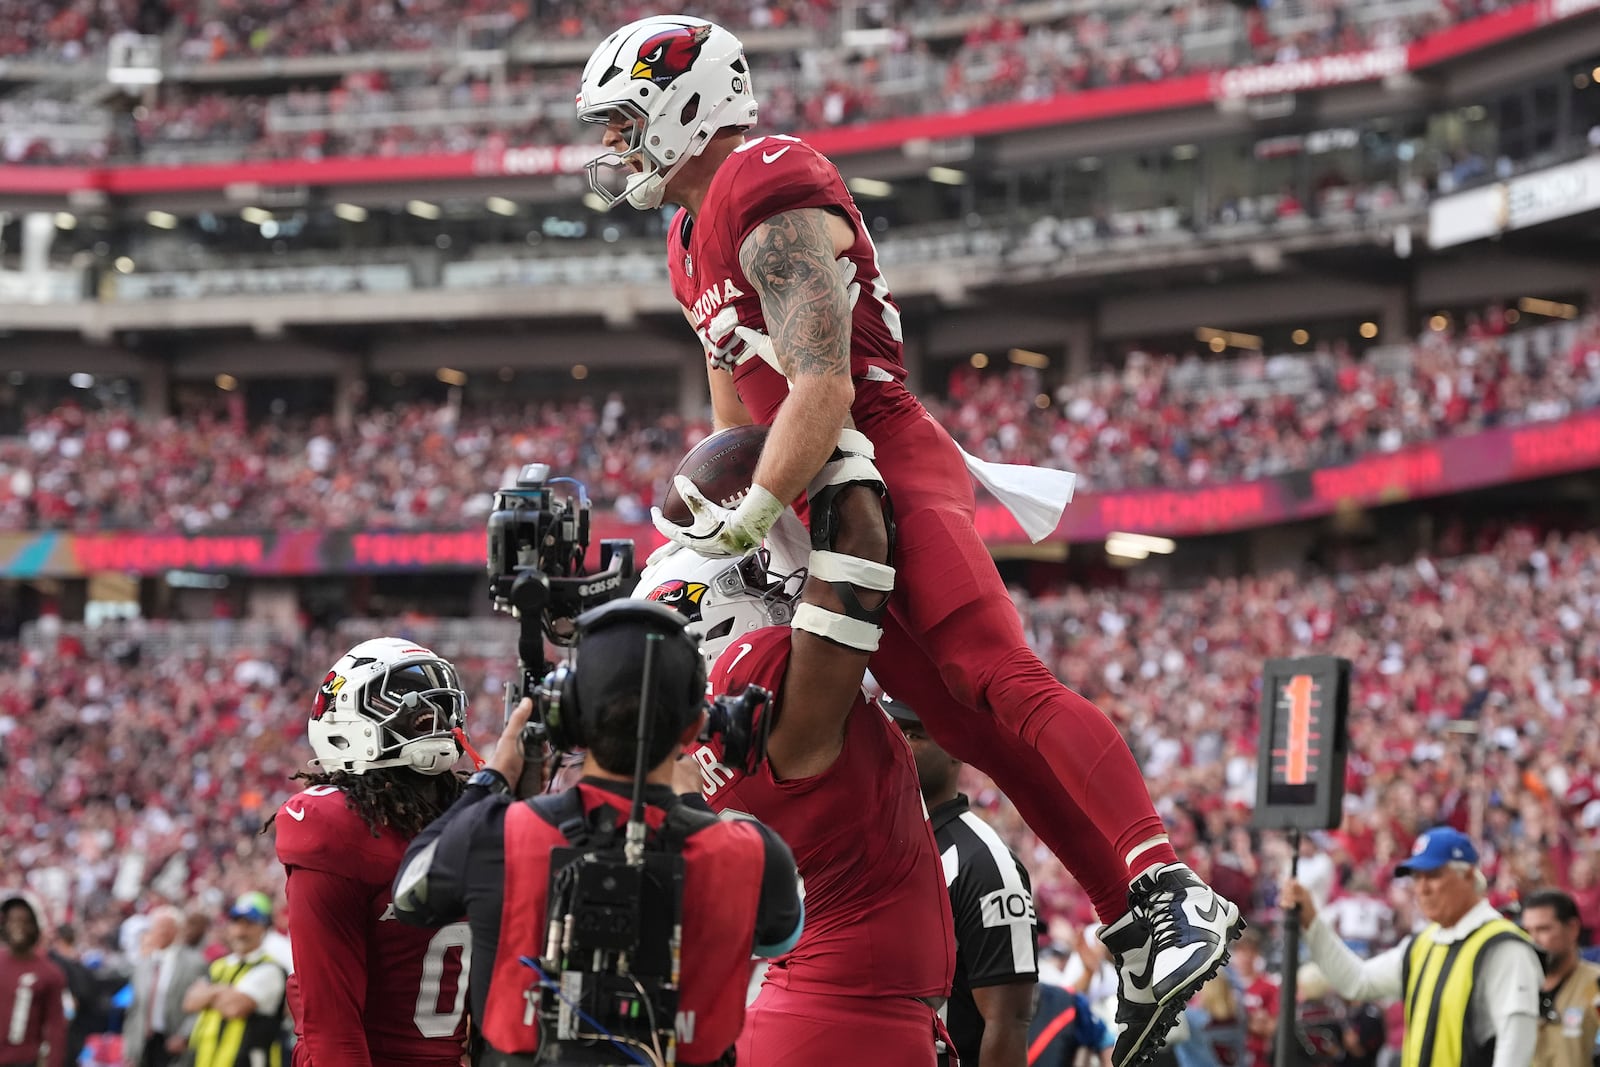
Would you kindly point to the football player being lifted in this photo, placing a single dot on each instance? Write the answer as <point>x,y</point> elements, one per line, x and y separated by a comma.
<point>368,990</point>
<point>776,272</point>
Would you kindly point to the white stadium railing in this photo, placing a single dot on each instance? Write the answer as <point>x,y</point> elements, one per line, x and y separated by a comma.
<point>329,278</point>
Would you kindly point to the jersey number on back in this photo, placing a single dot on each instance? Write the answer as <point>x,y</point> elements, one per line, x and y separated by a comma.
<point>431,1022</point>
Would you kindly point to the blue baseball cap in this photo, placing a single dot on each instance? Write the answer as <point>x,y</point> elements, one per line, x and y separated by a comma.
<point>1437,847</point>
<point>256,907</point>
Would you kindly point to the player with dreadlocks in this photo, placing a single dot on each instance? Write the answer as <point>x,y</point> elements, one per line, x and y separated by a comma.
<point>386,728</point>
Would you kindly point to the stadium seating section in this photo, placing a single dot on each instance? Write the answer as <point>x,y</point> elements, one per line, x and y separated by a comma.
<point>890,59</point>
<point>1159,420</point>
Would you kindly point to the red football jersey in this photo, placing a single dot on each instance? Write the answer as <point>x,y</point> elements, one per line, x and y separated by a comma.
<point>32,1009</point>
<point>877,913</point>
<point>762,178</point>
<point>366,988</point>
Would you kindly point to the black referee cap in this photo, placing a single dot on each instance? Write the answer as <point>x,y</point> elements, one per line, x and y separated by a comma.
<point>899,710</point>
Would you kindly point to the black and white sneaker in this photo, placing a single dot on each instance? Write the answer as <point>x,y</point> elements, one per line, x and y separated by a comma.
<point>1129,942</point>
<point>1172,941</point>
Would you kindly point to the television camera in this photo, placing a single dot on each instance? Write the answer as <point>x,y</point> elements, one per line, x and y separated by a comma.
<point>538,542</point>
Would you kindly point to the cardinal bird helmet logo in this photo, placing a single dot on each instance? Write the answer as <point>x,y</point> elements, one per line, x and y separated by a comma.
<point>326,692</point>
<point>668,54</point>
<point>681,595</point>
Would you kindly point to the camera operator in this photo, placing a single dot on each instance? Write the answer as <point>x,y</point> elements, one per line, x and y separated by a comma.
<point>491,856</point>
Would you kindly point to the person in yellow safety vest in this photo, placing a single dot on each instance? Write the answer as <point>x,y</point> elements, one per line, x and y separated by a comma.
<point>1470,978</point>
<point>241,1001</point>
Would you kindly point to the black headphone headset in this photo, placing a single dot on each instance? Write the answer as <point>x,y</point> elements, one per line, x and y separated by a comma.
<point>557,700</point>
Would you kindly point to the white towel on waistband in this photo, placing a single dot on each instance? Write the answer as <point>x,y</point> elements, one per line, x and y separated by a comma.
<point>1035,496</point>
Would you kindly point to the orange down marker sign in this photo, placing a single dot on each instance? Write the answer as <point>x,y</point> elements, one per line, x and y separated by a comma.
<point>1301,743</point>
<point>1297,751</point>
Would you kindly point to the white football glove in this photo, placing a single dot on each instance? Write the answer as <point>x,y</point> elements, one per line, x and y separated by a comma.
<point>728,343</point>
<point>720,532</point>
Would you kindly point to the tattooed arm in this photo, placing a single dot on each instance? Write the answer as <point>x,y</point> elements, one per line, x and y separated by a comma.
<point>791,261</point>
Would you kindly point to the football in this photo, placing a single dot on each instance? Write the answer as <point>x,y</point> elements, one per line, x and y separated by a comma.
<point>722,466</point>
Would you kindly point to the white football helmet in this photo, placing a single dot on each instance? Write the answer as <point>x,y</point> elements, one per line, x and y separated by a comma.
<point>680,80</point>
<point>388,703</point>
<point>721,599</point>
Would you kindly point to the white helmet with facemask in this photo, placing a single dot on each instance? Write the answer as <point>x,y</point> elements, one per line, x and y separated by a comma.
<point>721,599</point>
<point>677,81</point>
<point>388,703</point>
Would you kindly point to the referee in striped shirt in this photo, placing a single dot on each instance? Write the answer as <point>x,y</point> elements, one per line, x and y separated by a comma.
<point>997,970</point>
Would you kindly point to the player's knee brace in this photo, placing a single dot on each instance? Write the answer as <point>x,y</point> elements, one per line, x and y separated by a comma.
<point>858,627</point>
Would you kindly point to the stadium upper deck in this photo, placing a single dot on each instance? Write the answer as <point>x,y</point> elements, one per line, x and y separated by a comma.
<point>919,90</point>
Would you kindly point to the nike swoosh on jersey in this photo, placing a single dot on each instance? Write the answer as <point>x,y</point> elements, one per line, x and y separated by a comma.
<point>772,157</point>
<point>744,650</point>
<point>298,815</point>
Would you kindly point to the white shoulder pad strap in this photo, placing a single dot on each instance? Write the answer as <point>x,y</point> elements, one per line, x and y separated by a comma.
<point>849,468</point>
<point>857,442</point>
<point>838,567</point>
<point>840,629</point>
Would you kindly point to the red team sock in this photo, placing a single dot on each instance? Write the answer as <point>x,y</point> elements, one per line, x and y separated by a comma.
<point>1158,852</point>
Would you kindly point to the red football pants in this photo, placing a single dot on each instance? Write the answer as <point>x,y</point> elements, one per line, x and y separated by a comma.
<point>788,1029</point>
<point>1081,790</point>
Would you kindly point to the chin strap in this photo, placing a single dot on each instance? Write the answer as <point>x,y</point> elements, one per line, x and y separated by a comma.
<point>442,760</point>
<point>466,746</point>
<point>432,745</point>
<point>644,190</point>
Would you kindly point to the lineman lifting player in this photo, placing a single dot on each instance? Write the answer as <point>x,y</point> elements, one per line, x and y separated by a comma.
<point>865,982</point>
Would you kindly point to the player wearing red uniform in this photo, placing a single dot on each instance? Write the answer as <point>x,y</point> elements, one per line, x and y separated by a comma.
<point>838,783</point>
<point>368,990</point>
<point>777,274</point>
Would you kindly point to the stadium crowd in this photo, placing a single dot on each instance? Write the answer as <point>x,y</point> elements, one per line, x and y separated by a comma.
<point>1147,423</point>
<point>999,58</point>
<point>138,771</point>
<point>408,465</point>
<point>1478,668</point>
<point>218,30</point>
<point>1141,425</point>
<point>213,30</point>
